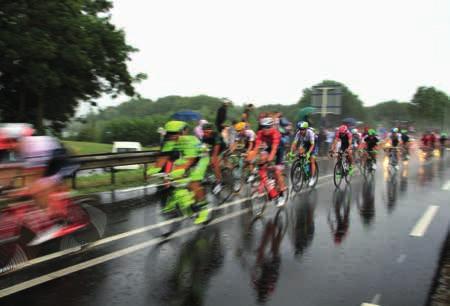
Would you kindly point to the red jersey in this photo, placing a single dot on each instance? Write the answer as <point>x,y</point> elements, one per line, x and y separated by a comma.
<point>271,137</point>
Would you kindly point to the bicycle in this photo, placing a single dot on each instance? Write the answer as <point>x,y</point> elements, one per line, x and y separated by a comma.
<point>393,159</point>
<point>369,162</point>
<point>341,169</point>
<point>263,190</point>
<point>177,203</point>
<point>301,173</point>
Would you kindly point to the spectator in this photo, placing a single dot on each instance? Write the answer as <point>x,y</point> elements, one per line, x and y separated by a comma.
<point>221,116</point>
<point>246,114</point>
<point>198,130</point>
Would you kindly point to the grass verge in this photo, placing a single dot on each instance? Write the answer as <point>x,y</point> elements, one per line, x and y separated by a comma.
<point>102,182</point>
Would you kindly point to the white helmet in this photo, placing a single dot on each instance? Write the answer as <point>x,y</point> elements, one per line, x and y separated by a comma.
<point>354,131</point>
<point>266,122</point>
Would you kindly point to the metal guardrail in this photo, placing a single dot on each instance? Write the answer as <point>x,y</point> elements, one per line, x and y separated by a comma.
<point>111,160</point>
<point>13,172</point>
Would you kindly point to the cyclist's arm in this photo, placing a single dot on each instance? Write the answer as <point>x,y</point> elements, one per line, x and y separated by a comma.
<point>275,143</point>
<point>312,143</point>
<point>294,143</point>
<point>251,146</point>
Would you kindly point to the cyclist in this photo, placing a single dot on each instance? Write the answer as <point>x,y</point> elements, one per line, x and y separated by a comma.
<point>169,152</point>
<point>405,141</point>
<point>193,165</point>
<point>46,164</point>
<point>305,143</point>
<point>216,147</point>
<point>272,151</point>
<point>356,142</point>
<point>344,137</point>
<point>392,143</point>
<point>180,153</point>
<point>370,144</point>
<point>245,138</point>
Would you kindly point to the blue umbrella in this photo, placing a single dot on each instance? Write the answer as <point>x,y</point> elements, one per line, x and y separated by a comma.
<point>187,115</point>
<point>350,121</point>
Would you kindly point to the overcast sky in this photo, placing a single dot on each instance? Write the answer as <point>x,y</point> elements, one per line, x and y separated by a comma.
<point>269,51</point>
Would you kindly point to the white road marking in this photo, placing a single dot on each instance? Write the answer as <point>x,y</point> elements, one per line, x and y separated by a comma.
<point>137,231</point>
<point>376,299</point>
<point>446,186</point>
<point>422,225</point>
<point>99,260</point>
<point>401,258</point>
<point>369,304</point>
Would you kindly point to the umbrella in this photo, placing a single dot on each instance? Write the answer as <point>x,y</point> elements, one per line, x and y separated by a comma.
<point>187,115</point>
<point>349,121</point>
<point>305,111</point>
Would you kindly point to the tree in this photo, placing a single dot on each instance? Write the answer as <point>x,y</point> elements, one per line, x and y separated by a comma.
<point>431,106</point>
<point>56,53</point>
<point>352,106</point>
<point>389,111</point>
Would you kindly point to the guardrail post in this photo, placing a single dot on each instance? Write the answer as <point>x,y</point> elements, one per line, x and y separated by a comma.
<point>113,176</point>
<point>74,180</point>
<point>145,172</point>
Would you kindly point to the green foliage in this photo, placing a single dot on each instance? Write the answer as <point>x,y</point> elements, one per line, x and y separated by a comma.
<point>82,148</point>
<point>431,106</point>
<point>143,130</point>
<point>55,53</point>
<point>389,111</point>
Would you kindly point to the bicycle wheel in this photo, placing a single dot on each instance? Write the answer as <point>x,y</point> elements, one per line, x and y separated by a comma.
<point>238,181</point>
<point>338,174</point>
<point>347,175</point>
<point>282,220</point>
<point>297,176</point>
<point>228,183</point>
<point>259,203</point>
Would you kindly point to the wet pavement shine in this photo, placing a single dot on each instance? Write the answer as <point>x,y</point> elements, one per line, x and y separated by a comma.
<point>325,247</point>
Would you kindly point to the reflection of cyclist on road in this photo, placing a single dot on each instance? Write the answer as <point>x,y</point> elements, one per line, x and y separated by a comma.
<point>339,214</point>
<point>266,271</point>
<point>367,207</point>
<point>303,227</point>
<point>200,258</point>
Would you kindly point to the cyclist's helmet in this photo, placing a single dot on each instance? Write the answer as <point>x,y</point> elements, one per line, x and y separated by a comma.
<point>11,133</point>
<point>343,129</point>
<point>372,132</point>
<point>403,131</point>
<point>240,126</point>
<point>394,130</point>
<point>302,125</point>
<point>354,131</point>
<point>175,126</point>
<point>266,122</point>
<point>443,134</point>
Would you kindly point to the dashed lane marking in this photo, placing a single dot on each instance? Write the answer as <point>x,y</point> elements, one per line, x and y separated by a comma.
<point>421,226</point>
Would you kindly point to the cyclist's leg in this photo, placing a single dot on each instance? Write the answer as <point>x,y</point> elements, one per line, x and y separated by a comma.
<point>312,160</point>
<point>197,176</point>
<point>279,170</point>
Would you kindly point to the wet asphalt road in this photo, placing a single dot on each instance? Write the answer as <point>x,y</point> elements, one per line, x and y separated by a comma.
<point>327,247</point>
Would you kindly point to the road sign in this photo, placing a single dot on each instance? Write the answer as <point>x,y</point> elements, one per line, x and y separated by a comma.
<point>327,99</point>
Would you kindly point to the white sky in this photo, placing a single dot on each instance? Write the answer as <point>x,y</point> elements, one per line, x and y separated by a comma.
<point>269,51</point>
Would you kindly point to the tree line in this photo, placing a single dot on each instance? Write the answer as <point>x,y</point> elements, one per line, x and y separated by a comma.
<point>139,119</point>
